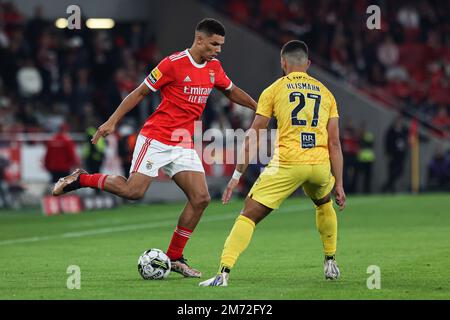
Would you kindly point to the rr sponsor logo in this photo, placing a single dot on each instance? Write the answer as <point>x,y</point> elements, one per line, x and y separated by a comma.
<point>308,140</point>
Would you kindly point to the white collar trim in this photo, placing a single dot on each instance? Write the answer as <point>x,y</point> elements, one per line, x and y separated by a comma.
<point>193,61</point>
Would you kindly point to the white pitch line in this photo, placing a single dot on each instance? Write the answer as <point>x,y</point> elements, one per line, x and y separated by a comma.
<point>84,233</point>
<point>164,223</point>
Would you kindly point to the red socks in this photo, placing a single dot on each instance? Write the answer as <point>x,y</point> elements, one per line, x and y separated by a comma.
<point>180,237</point>
<point>96,180</point>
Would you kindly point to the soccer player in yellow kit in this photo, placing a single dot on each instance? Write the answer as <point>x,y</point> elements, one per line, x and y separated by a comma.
<point>307,154</point>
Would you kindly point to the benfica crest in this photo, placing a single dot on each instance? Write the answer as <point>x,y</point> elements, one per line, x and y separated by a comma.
<point>149,165</point>
<point>211,76</point>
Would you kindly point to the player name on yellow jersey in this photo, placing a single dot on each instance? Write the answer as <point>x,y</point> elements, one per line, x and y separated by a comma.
<point>302,106</point>
<point>303,86</point>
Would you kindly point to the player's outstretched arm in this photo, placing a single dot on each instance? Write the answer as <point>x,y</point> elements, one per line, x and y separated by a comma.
<point>249,151</point>
<point>337,162</point>
<point>131,101</point>
<point>239,96</point>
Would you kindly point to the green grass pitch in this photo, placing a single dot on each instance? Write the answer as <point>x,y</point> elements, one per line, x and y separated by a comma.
<point>408,237</point>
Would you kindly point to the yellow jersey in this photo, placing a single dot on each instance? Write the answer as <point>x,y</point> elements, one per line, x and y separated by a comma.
<point>302,106</point>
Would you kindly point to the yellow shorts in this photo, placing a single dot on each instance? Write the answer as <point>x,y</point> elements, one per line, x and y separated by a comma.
<point>277,182</point>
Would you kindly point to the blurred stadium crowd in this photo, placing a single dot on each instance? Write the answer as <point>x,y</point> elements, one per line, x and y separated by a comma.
<point>50,77</point>
<point>406,65</point>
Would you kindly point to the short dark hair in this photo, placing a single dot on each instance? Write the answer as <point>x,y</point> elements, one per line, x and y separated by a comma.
<point>294,46</point>
<point>211,26</point>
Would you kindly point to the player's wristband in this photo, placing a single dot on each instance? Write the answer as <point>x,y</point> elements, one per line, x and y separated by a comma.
<point>237,175</point>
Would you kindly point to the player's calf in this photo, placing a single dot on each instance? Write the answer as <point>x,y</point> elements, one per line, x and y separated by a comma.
<point>132,194</point>
<point>133,188</point>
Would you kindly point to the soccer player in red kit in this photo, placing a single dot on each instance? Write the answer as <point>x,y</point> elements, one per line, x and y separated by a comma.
<point>185,79</point>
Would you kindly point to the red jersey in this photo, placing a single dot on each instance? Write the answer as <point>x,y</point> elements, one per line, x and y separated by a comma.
<point>185,86</point>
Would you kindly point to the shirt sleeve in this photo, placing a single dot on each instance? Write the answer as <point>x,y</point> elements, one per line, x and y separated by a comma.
<point>221,81</point>
<point>265,103</point>
<point>161,75</point>
<point>333,107</point>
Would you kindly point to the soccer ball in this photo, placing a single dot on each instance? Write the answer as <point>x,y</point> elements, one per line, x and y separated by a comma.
<point>154,264</point>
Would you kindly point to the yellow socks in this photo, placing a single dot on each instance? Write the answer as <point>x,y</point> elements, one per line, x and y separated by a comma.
<point>242,232</point>
<point>237,241</point>
<point>326,222</point>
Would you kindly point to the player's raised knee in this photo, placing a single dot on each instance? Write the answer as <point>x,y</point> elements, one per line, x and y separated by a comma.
<point>201,200</point>
<point>319,202</point>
